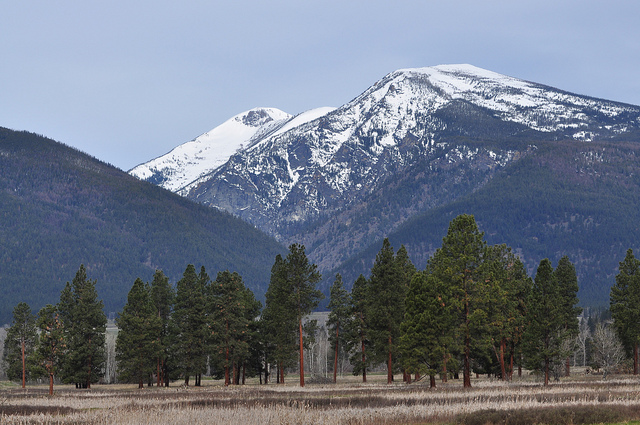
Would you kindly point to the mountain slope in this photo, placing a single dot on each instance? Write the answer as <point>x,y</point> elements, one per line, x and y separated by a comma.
<point>565,198</point>
<point>417,142</point>
<point>61,208</point>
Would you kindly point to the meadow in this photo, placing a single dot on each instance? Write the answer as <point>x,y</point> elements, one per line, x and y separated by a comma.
<point>577,400</point>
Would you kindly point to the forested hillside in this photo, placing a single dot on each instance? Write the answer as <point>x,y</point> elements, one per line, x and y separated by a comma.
<point>561,198</point>
<point>60,208</point>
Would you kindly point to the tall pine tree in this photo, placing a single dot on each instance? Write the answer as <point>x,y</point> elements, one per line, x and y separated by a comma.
<point>625,305</point>
<point>20,344</point>
<point>339,315</point>
<point>163,296</point>
<point>137,344</point>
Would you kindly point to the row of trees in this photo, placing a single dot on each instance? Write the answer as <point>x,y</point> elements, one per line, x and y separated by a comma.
<point>66,340</point>
<point>473,308</point>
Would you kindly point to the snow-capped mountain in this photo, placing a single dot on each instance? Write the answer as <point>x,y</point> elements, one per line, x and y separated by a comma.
<point>205,153</point>
<point>338,179</point>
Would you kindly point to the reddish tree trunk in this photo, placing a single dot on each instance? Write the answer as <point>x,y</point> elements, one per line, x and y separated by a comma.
<point>503,368</point>
<point>389,364</point>
<point>301,354</point>
<point>635,359</point>
<point>432,381</point>
<point>51,384</point>
<point>335,357</point>
<point>281,370</point>
<point>364,366</point>
<point>24,367</point>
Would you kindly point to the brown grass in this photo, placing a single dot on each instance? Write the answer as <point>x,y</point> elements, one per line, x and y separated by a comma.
<point>575,401</point>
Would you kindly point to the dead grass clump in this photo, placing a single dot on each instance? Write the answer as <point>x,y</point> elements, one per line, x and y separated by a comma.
<point>562,415</point>
<point>27,410</point>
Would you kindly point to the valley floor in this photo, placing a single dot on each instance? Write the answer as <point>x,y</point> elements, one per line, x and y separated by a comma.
<point>575,400</point>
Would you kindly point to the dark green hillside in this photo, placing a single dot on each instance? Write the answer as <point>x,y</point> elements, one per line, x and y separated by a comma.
<point>60,208</point>
<point>578,199</point>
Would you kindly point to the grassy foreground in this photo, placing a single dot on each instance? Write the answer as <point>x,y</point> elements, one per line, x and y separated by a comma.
<point>575,401</point>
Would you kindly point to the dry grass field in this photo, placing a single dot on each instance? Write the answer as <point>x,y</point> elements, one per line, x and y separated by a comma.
<point>577,400</point>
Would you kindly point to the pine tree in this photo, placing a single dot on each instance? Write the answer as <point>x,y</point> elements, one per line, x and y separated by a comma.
<point>20,344</point>
<point>137,344</point>
<point>229,323</point>
<point>567,279</point>
<point>278,321</point>
<point>625,305</point>
<point>51,346</point>
<point>458,264</point>
<point>162,296</point>
<point>189,324</point>
<point>387,291</point>
<point>84,324</point>
<point>428,326</point>
<point>339,314</point>
<point>545,330</point>
<point>357,329</point>
<point>508,288</point>
<point>304,277</point>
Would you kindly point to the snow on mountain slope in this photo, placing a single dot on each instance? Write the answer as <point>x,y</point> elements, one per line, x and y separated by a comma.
<point>205,153</point>
<point>318,168</point>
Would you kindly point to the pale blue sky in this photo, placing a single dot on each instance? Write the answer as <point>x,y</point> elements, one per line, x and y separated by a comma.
<point>126,81</point>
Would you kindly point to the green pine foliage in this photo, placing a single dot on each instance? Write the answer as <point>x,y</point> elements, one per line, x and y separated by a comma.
<point>387,287</point>
<point>190,327</point>
<point>357,329</point>
<point>52,345</point>
<point>84,324</point>
<point>163,296</point>
<point>137,344</point>
<point>229,323</point>
<point>20,344</point>
<point>338,320</point>
<point>625,305</point>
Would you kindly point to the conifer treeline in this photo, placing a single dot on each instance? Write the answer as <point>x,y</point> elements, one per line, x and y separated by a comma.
<point>473,309</point>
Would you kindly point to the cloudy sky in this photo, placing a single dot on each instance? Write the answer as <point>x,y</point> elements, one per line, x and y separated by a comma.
<point>126,81</point>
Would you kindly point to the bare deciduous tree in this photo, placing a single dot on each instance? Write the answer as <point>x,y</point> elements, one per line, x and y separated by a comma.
<point>608,352</point>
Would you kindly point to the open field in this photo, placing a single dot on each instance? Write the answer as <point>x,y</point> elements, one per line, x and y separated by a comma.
<point>574,401</point>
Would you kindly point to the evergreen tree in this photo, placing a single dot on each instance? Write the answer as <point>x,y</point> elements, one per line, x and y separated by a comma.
<point>137,344</point>
<point>357,328</point>
<point>508,288</point>
<point>339,314</point>
<point>229,323</point>
<point>84,324</point>
<point>458,264</point>
<point>162,296</point>
<point>278,320</point>
<point>304,277</point>
<point>20,344</point>
<point>189,327</point>
<point>387,291</point>
<point>254,358</point>
<point>51,346</point>
<point>545,330</point>
<point>625,305</point>
<point>567,279</point>
<point>428,326</point>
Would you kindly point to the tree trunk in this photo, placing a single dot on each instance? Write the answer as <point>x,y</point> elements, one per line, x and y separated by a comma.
<point>364,364</point>
<point>466,372</point>
<point>444,368</point>
<point>244,372</point>
<point>281,374</point>
<point>503,369</point>
<point>335,357</point>
<point>51,384</point>
<point>568,367</point>
<point>546,371</point>
<point>301,354</point>
<point>24,367</point>
<point>432,381</point>
<point>389,364</point>
<point>635,359</point>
